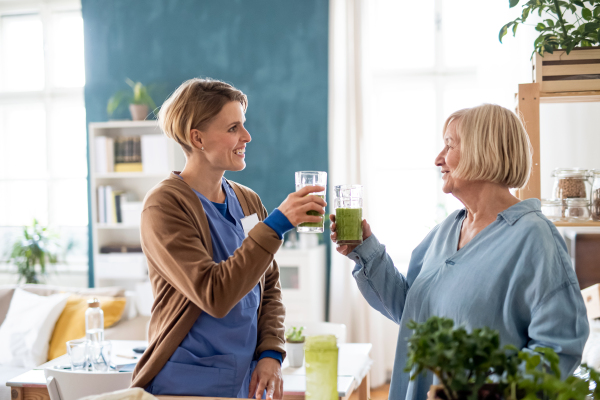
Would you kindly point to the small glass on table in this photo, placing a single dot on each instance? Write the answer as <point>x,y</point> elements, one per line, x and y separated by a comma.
<point>100,355</point>
<point>312,178</point>
<point>78,354</point>
<point>348,214</point>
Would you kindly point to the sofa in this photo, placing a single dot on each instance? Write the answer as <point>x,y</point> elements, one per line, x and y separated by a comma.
<point>130,324</point>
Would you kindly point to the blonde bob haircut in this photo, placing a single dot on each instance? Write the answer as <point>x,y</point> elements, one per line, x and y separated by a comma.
<point>494,145</point>
<point>193,105</point>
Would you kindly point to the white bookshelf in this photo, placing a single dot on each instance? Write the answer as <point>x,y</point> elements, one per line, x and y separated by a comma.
<point>123,269</point>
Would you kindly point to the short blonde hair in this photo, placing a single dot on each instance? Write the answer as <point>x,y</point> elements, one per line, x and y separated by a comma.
<point>494,145</point>
<point>193,105</point>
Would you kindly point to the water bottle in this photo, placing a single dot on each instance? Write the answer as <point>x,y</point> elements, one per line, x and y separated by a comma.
<point>94,321</point>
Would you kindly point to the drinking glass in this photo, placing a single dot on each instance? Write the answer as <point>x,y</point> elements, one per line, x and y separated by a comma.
<point>312,178</point>
<point>348,214</point>
<point>78,352</point>
<point>100,353</point>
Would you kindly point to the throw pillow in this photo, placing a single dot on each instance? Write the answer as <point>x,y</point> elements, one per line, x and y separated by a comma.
<point>71,324</point>
<point>26,330</point>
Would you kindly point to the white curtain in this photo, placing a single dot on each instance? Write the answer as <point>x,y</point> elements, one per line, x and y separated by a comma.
<point>347,97</point>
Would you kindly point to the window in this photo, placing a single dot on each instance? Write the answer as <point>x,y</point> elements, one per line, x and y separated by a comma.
<point>43,163</point>
<point>426,60</point>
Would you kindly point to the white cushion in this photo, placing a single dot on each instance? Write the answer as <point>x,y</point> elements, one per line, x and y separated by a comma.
<point>25,333</point>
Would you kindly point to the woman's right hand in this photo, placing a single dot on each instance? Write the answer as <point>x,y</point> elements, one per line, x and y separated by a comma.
<point>297,204</point>
<point>347,248</point>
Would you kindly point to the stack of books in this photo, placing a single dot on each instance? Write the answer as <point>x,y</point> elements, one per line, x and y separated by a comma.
<point>145,153</point>
<point>110,202</point>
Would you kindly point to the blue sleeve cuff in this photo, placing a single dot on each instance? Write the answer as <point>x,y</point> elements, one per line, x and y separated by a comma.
<point>278,222</point>
<point>271,353</point>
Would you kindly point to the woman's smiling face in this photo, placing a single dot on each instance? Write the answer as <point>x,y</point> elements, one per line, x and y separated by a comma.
<point>449,158</point>
<point>224,139</point>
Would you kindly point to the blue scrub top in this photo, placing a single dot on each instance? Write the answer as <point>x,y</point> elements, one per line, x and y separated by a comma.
<point>215,358</point>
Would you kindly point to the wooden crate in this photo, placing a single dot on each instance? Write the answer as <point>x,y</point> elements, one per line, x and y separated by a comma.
<point>591,297</point>
<point>578,71</point>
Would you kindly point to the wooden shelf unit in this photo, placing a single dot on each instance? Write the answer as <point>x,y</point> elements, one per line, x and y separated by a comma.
<point>529,98</point>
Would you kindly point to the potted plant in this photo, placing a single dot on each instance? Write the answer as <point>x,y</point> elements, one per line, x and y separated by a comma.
<point>471,366</point>
<point>564,58</point>
<point>295,346</point>
<point>138,98</point>
<point>37,246</point>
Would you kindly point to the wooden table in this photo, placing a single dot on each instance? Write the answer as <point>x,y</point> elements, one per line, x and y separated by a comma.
<point>353,374</point>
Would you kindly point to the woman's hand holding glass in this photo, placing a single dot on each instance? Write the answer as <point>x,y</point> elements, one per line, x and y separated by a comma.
<point>297,204</point>
<point>347,248</point>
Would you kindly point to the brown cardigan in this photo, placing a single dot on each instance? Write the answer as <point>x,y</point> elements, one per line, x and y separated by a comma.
<point>186,281</point>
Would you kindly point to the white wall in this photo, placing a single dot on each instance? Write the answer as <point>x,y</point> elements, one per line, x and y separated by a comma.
<point>570,137</point>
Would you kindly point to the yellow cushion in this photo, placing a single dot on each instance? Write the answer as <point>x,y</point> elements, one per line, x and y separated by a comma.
<point>71,323</point>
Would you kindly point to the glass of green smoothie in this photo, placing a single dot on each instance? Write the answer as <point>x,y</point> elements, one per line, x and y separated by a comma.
<point>348,214</point>
<point>312,178</point>
<point>321,354</point>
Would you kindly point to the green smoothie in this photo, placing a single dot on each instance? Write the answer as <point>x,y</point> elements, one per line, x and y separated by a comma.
<point>321,354</point>
<point>348,225</point>
<point>313,224</point>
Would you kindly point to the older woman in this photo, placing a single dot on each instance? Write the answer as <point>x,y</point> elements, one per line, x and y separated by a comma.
<point>498,262</point>
<point>217,320</point>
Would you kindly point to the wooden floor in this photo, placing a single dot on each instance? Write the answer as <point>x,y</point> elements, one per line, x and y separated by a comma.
<point>380,393</point>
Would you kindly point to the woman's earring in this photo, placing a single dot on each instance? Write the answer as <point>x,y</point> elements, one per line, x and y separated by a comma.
<point>202,149</point>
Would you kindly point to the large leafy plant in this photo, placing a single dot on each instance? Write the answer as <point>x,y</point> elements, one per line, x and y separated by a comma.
<point>567,24</point>
<point>33,251</point>
<point>139,94</point>
<point>471,365</point>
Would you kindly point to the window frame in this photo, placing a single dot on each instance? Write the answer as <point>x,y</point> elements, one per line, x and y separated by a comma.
<point>47,98</point>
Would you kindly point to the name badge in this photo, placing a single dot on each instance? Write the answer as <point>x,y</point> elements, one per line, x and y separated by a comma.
<point>249,222</point>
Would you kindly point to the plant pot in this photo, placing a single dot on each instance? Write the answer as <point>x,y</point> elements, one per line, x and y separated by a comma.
<point>295,354</point>
<point>139,112</point>
<point>578,71</point>
<point>489,391</point>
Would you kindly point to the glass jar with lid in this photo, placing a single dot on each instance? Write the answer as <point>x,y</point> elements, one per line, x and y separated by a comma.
<point>595,199</point>
<point>577,210</point>
<point>571,183</point>
<point>553,209</point>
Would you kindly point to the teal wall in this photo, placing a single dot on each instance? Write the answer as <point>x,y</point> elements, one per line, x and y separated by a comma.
<point>275,51</point>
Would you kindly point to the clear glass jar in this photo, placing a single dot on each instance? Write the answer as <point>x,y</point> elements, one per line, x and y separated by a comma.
<point>595,199</point>
<point>553,209</point>
<point>577,210</point>
<point>348,214</point>
<point>571,183</point>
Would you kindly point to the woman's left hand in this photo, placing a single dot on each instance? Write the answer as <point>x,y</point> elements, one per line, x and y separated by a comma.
<point>267,375</point>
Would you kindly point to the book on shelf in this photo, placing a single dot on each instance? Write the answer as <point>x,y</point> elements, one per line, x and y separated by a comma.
<point>114,207</point>
<point>154,154</point>
<point>104,153</point>
<point>120,248</point>
<point>129,167</point>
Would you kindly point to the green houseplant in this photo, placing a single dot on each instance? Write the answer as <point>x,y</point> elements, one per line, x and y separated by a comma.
<point>36,247</point>
<point>295,346</point>
<point>471,365</point>
<point>138,98</point>
<point>567,24</point>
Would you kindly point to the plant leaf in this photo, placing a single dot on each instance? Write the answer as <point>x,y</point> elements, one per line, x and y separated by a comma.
<point>512,3</point>
<point>586,13</point>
